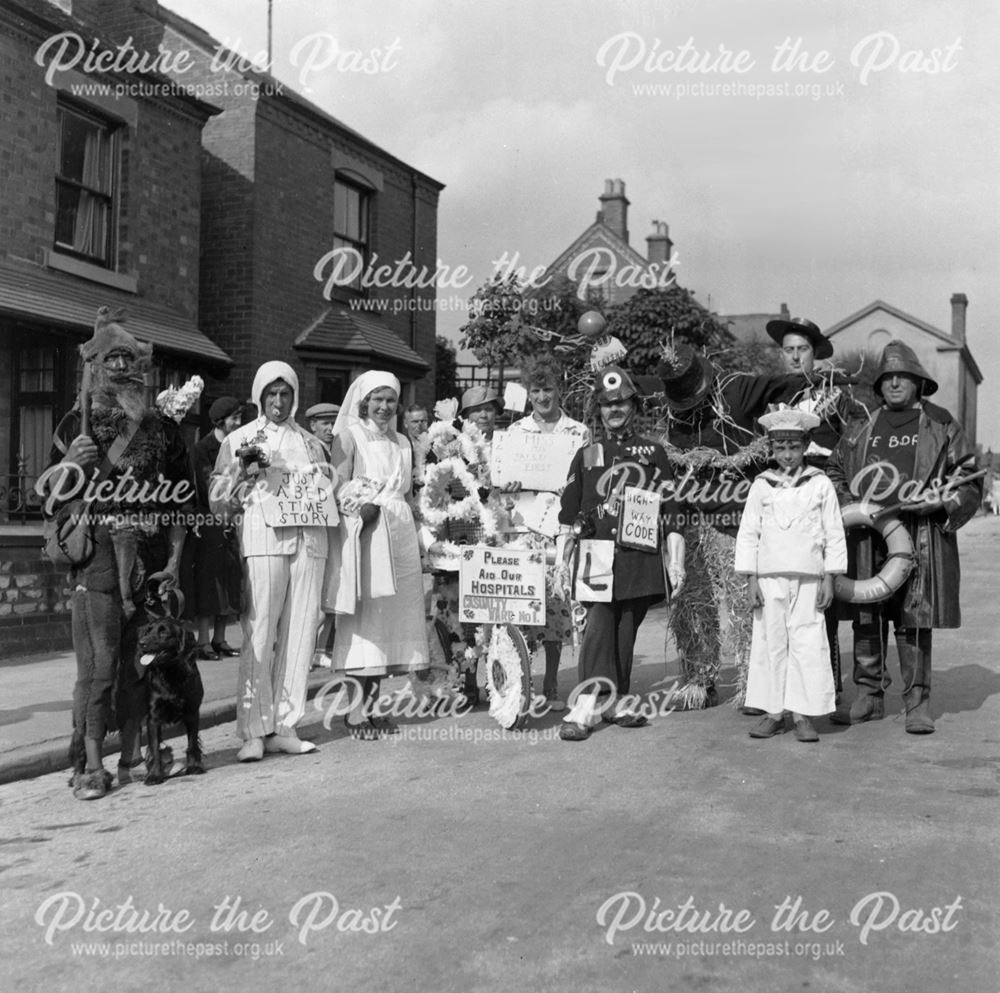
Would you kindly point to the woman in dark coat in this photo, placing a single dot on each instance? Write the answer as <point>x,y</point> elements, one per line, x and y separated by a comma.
<point>212,576</point>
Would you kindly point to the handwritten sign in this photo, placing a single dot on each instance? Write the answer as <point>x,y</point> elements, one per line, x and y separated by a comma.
<point>536,461</point>
<point>502,586</point>
<point>515,397</point>
<point>297,498</point>
<point>594,573</point>
<point>639,520</point>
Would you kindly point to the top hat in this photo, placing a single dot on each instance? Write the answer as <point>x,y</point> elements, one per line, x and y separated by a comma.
<point>477,396</point>
<point>789,422</point>
<point>322,410</point>
<point>822,349</point>
<point>897,356</point>
<point>687,376</point>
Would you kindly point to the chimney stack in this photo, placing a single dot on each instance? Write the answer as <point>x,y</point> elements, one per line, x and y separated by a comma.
<point>658,244</point>
<point>786,314</point>
<point>959,301</point>
<point>614,208</point>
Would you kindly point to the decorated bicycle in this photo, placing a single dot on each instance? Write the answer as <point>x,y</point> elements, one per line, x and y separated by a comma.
<point>489,511</point>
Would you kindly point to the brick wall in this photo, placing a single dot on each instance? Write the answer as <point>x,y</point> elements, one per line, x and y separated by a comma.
<point>34,598</point>
<point>27,150</point>
<point>158,234</point>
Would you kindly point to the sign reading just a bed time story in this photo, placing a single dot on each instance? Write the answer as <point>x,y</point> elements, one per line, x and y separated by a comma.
<point>502,586</point>
<point>536,461</point>
<point>297,498</point>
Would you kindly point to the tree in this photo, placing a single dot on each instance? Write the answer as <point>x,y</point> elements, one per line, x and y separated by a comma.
<point>651,317</point>
<point>445,368</point>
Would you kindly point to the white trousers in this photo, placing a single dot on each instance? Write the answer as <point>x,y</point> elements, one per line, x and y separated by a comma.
<point>789,654</point>
<point>279,631</point>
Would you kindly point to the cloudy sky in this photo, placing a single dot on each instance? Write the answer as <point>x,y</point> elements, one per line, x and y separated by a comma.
<point>866,169</point>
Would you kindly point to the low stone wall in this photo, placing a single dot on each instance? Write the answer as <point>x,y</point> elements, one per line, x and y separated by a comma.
<point>34,597</point>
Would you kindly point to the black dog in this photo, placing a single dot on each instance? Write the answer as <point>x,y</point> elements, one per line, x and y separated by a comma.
<point>175,692</point>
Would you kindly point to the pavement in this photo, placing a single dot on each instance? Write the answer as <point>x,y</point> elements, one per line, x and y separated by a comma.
<point>36,708</point>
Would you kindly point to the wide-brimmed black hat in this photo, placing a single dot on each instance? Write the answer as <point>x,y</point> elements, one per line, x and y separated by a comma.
<point>899,357</point>
<point>822,349</point>
<point>687,376</point>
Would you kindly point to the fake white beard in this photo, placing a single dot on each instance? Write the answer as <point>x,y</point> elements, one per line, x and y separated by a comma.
<point>130,397</point>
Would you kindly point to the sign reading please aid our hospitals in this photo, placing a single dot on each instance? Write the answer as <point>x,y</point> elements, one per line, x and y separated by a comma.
<point>502,586</point>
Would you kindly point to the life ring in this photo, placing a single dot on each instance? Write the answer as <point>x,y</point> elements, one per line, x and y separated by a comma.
<point>898,565</point>
<point>508,677</point>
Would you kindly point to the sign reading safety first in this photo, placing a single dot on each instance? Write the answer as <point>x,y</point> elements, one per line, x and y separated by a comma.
<point>502,586</point>
<point>297,498</point>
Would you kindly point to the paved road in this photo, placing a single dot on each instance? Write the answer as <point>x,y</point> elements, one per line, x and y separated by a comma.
<point>683,856</point>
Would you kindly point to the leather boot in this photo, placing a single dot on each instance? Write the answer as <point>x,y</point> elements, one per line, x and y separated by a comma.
<point>914,648</point>
<point>870,677</point>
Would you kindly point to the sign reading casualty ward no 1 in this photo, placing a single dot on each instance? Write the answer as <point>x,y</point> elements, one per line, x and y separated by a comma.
<point>502,586</point>
<point>297,498</point>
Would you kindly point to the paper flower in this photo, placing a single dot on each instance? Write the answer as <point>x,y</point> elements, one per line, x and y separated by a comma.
<point>446,410</point>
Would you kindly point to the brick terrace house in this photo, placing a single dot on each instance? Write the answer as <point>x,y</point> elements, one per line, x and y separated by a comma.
<point>284,185</point>
<point>99,204</point>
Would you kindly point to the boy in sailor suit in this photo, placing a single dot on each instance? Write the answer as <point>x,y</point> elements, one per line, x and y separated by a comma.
<point>790,545</point>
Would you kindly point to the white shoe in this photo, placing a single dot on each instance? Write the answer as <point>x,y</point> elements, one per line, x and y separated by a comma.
<point>252,750</point>
<point>321,660</point>
<point>290,744</point>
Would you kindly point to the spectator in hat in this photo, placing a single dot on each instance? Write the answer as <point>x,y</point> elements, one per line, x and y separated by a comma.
<point>790,545</point>
<point>321,417</point>
<point>911,453</point>
<point>615,582</point>
<point>211,571</point>
<point>481,405</point>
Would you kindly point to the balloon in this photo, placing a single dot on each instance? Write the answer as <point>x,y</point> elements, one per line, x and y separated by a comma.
<point>591,324</point>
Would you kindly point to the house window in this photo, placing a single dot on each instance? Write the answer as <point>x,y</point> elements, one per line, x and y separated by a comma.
<point>34,403</point>
<point>350,227</point>
<point>86,186</point>
<point>332,387</point>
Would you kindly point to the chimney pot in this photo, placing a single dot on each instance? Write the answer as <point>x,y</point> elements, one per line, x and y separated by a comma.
<point>614,208</point>
<point>959,303</point>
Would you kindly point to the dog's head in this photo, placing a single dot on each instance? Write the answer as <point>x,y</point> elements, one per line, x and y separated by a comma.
<point>165,640</point>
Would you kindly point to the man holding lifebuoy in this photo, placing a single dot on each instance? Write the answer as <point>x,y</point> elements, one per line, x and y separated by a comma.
<point>913,455</point>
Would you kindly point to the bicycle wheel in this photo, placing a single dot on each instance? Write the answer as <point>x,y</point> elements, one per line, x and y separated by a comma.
<point>508,677</point>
